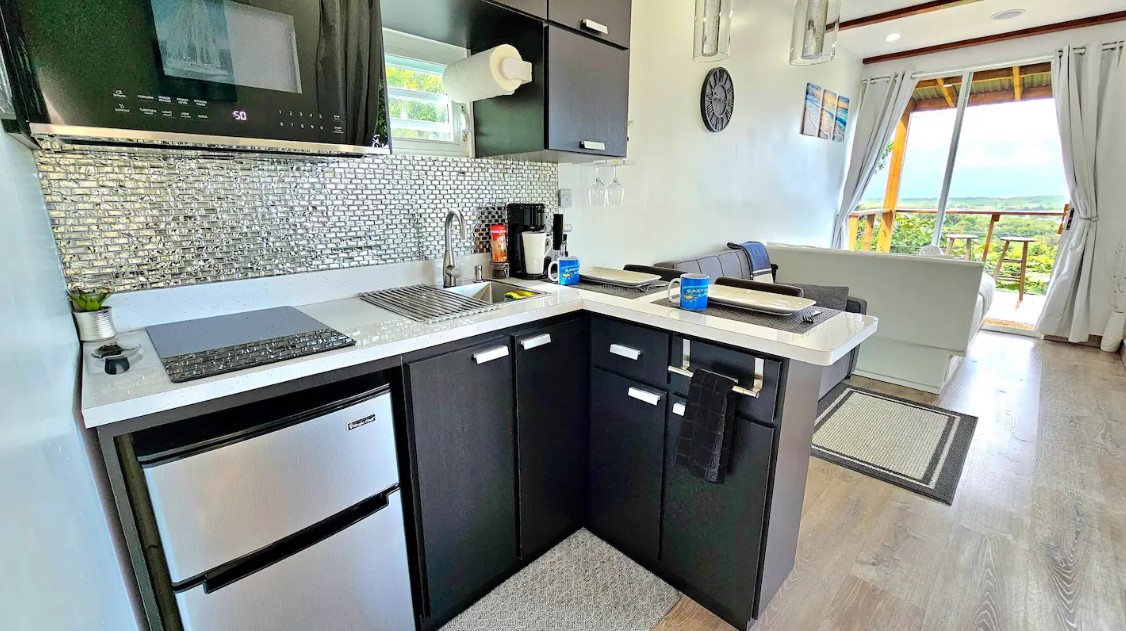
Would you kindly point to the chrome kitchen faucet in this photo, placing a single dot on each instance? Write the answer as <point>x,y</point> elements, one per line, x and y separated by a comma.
<point>450,271</point>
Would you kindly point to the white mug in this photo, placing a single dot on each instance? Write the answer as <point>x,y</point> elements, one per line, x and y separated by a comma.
<point>535,250</point>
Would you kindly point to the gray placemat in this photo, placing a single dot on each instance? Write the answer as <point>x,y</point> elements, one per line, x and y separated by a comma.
<point>621,292</point>
<point>790,324</point>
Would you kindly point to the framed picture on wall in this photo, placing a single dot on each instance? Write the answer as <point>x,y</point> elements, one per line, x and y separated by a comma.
<point>828,115</point>
<point>841,128</point>
<point>811,121</point>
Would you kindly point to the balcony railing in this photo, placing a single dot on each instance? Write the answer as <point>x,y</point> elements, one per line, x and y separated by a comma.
<point>887,223</point>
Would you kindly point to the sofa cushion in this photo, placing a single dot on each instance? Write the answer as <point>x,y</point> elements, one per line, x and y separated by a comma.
<point>729,263</point>
<point>986,290</point>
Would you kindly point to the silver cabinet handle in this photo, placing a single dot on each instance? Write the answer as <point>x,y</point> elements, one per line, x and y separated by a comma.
<point>492,354</point>
<point>678,409</point>
<point>642,395</point>
<point>625,351</point>
<point>536,342</point>
<point>593,145</point>
<point>595,26</point>
<point>753,392</point>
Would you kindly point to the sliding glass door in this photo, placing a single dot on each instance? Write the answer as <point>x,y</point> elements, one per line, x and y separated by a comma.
<point>973,150</point>
<point>977,170</point>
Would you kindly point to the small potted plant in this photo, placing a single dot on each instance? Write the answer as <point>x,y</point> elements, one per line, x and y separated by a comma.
<point>94,321</point>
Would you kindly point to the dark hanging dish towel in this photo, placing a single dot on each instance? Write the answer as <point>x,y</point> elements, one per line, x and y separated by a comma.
<point>704,444</point>
<point>756,252</point>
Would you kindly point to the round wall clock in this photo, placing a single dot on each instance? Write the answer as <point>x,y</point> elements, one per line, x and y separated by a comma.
<point>717,99</point>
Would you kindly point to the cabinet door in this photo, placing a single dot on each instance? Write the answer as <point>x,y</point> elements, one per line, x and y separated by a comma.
<point>552,433</point>
<point>627,434</point>
<point>607,20</point>
<point>712,535</point>
<point>537,8</point>
<point>462,425</point>
<point>587,95</point>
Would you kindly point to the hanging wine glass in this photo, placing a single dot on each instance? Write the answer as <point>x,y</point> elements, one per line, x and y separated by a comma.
<point>597,191</point>
<point>615,192</point>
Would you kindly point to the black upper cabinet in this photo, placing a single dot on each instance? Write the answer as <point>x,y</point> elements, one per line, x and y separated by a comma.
<point>552,431</point>
<point>627,435</point>
<point>587,95</point>
<point>463,434</point>
<point>712,534</point>
<point>576,107</point>
<point>537,8</point>
<point>607,20</point>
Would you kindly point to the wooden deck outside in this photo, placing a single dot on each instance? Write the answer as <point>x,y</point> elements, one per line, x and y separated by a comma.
<point>1008,310</point>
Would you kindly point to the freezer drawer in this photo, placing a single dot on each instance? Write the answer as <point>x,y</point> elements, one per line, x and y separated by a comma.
<point>216,506</point>
<point>356,579</point>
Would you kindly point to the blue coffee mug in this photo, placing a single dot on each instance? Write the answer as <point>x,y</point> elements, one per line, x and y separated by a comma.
<point>566,271</point>
<point>693,291</point>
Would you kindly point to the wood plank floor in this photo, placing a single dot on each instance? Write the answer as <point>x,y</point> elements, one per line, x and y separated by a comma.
<point>1035,539</point>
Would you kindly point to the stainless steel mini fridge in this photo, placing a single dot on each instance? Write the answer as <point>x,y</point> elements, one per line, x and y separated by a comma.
<point>296,525</point>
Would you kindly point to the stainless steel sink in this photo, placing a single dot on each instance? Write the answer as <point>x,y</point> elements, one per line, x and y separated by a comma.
<point>492,292</point>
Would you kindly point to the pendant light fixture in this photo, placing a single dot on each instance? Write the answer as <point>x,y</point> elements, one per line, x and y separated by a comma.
<point>713,30</point>
<point>816,25</point>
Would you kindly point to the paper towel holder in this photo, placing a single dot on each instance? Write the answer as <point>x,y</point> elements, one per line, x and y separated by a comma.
<point>505,71</point>
<point>516,69</point>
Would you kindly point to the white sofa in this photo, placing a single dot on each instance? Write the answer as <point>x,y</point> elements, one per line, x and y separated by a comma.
<point>930,308</point>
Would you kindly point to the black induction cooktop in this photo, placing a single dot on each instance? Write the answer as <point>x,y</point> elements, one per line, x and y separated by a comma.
<point>195,349</point>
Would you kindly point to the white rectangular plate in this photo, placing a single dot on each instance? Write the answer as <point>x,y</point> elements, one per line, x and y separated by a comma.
<point>617,276</point>
<point>757,300</point>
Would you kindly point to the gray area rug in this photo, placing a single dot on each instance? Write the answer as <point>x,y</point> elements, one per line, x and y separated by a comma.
<point>582,584</point>
<point>919,447</point>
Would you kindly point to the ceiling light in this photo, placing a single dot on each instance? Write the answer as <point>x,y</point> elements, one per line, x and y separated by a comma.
<point>1008,15</point>
<point>894,37</point>
<point>816,25</point>
<point>713,30</point>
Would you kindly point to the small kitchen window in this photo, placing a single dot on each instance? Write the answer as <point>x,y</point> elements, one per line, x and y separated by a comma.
<point>424,120</point>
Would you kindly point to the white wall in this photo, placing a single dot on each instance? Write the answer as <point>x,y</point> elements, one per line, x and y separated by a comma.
<point>1112,201</point>
<point>689,191</point>
<point>58,569</point>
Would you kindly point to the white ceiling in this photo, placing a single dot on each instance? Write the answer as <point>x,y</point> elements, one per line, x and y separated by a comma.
<point>958,23</point>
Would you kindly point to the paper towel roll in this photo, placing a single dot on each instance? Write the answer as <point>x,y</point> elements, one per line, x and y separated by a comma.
<point>485,75</point>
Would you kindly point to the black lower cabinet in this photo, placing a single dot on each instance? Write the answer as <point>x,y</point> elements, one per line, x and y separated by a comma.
<point>463,434</point>
<point>712,533</point>
<point>552,433</point>
<point>627,442</point>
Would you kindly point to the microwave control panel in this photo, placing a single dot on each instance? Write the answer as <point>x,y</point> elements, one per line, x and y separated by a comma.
<point>184,115</point>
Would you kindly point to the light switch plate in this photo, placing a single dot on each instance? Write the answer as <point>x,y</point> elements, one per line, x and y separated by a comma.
<point>566,198</point>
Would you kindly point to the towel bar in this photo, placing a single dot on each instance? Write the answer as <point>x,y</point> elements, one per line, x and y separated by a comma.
<point>753,392</point>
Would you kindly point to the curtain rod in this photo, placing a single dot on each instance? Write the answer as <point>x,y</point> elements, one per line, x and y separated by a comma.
<point>1017,62</point>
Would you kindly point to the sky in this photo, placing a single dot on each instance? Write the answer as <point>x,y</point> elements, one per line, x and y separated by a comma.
<point>1006,150</point>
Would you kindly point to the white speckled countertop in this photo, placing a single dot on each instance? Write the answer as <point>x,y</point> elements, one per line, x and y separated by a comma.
<point>146,388</point>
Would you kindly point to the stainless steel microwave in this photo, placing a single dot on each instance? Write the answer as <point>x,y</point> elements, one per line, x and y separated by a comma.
<point>284,75</point>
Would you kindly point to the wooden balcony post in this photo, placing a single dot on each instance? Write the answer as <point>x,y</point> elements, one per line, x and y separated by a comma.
<point>869,227</point>
<point>993,219</point>
<point>853,223</point>
<point>895,179</point>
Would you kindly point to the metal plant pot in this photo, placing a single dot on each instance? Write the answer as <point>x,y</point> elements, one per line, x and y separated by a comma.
<point>95,326</point>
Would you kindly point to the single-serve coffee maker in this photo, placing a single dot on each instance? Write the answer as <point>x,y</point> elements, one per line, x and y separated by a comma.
<point>527,240</point>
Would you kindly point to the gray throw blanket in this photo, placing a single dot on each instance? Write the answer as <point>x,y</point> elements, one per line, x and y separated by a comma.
<point>759,257</point>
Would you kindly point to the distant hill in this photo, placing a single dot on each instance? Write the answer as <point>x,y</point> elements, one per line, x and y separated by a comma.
<point>1038,202</point>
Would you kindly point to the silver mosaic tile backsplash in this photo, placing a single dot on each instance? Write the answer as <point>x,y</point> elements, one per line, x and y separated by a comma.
<point>132,221</point>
